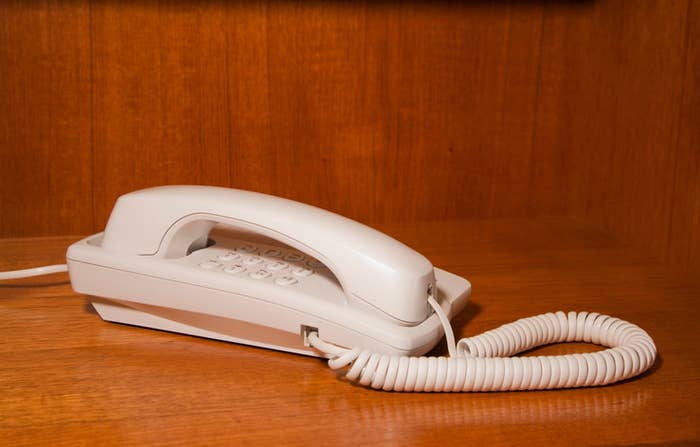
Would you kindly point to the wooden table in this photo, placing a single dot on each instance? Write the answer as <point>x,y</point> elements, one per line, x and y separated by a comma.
<point>67,377</point>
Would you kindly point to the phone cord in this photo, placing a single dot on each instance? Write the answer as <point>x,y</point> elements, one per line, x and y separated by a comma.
<point>36,271</point>
<point>484,362</point>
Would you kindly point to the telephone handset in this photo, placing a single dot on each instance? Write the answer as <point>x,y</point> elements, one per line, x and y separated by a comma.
<point>293,277</point>
<point>373,268</point>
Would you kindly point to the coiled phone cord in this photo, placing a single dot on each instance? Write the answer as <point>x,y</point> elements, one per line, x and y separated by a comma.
<point>483,362</point>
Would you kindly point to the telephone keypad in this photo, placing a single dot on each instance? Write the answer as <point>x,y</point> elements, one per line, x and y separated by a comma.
<point>285,281</point>
<point>294,257</point>
<point>272,253</point>
<point>228,256</point>
<point>253,260</point>
<point>282,267</point>
<point>277,265</point>
<point>260,274</point>
<point>235,268</point>
<point>246,248</point>
<point>301,271</point>
<point>210,265</point>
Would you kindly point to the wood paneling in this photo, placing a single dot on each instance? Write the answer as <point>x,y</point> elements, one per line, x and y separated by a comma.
<point>628,92</point>
<point>382,111</point>
<point>68,378</point>
<point>683,246</point>
<point>160,97</point>
<point>45,149</point>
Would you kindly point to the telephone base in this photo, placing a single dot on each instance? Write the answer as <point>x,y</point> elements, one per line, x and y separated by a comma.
<point>226,313</point>
<point>201,325</point>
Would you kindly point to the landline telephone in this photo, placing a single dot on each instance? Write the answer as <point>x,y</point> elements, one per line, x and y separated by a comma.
<point>296,278</point>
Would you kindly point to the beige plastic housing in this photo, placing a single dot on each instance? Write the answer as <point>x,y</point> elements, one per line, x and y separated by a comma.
<point>370,291</point>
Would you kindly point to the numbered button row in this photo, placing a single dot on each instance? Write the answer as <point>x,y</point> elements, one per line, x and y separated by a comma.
<point>264,274</point>
<point>282,280</point>
<point>233,256</point>
<point>256,274</point>
<point>271,253</point>
<point>261,273</point>
<point>256,260</point>
<point>274,266</point>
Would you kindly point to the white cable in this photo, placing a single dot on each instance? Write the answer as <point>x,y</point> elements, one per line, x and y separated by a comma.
<point>483,363</point>
<point>37,271</point>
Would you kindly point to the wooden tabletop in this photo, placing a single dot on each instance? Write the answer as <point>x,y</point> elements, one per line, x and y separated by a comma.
<point>69,378</point>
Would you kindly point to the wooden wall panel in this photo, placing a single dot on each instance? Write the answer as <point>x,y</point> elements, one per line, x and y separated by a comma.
<point>315,73</point>
<point>45,151</point>
<point>382,111</point>
<point>128,98</point>
<point>253,149</point>
<point>623,89</point>
<point>683,248</point>
<point>468,109</point>
<point>160,97</point>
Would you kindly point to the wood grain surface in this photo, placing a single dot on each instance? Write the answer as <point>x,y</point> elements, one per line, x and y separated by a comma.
<point>633,142</point>
<point>382,111</point>
<point>69,378</point>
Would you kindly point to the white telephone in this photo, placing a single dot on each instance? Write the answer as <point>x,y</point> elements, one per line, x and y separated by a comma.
<point>353,285</point>
<point>297,278</point>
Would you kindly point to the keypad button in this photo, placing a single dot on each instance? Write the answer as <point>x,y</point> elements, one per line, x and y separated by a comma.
<point>285,280</point>
<point>301,271</point>
<point>294,257</point>
<point>272,253</point>
<point>210,265</point>
<point>235,268</point>
<point>277,265</point>
<point>229,256</point>
<point>253,260</point>
<point>260,274</point>
<point>314,263</point>
<point>246,248</point>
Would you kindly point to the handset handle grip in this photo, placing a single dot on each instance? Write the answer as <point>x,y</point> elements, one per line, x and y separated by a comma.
<point>369,265</point>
